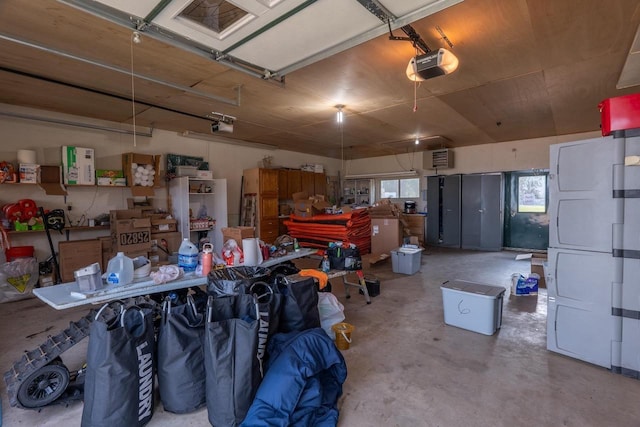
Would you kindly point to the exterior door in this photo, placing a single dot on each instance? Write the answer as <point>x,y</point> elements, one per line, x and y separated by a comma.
<point>526,227</point>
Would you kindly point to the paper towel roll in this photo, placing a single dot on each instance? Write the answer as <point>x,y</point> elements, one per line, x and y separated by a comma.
<point>27,157</point>
<point>252,254</point>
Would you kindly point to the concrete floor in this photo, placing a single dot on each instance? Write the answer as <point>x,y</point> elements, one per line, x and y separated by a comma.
<point>405,366</point>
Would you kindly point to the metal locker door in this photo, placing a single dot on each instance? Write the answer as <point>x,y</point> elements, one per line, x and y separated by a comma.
<point>482,212</point>
<point>451,211</point>
<point>433,210</point>
<point>471,212</point>
<point>491,213</point>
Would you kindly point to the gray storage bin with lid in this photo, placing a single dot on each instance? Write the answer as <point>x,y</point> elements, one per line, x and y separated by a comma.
<point>473,306</point>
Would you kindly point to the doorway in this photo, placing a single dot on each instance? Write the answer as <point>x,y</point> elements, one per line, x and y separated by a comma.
<point>526,219</point>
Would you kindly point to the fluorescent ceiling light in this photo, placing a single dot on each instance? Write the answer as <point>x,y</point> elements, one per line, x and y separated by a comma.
<point>409,173</point>
<point>222,140</point>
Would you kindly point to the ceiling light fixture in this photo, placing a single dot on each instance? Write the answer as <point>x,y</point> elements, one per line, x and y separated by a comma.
<point>339,114</point>
<point>417,141</point>
<point>432,64</point>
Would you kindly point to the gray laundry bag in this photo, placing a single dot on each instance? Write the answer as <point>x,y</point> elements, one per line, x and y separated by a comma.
<point>232,357</point>
<point>119,383</point>
<point>181,373</point>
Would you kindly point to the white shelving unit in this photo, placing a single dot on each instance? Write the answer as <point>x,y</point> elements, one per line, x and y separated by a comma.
<point>192,194</point>
<point>358,192</point>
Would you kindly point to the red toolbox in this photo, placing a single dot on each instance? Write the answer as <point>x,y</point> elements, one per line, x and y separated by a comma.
<point>620,113</point>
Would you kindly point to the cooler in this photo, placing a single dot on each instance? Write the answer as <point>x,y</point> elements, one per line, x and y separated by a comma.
<point>472,306</point>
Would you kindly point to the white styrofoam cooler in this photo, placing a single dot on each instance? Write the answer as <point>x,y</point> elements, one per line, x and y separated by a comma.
<point>406,260</point>
<point>473,306</point>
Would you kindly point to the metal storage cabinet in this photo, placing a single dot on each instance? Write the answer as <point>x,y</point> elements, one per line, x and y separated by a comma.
<point>482,205</point>
<point>443,206</point>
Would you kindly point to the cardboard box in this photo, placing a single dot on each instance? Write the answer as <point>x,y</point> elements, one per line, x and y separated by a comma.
<point>115,215</point>
<point>237,234</point>
<point>110,178</point>
<point>163,225</point>
<point>307,206</point>
<point>76,254</point>
<point>78,165</point>
<point>130,233</point>
<point>537,260</point>
<point>386,235</point>
<point>129,160</point>
<point>28,173</point>
<point>163,245</point>
<point>50,180</point>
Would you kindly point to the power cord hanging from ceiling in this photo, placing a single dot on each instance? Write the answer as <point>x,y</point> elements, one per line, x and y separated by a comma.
<point>415,89</point>
<point>135,39</point>
<point>341,124</point>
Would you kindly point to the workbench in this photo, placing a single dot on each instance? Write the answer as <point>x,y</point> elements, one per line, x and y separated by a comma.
<point>67,295</point>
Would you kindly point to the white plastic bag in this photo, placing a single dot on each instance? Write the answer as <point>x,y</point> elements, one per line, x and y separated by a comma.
<point>331,312</point>
<point>17,279</point>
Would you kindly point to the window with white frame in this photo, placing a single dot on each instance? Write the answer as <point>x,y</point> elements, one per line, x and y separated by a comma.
<point>406,188</point>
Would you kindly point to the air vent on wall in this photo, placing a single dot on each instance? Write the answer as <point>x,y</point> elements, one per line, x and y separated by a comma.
<point>439,159</point>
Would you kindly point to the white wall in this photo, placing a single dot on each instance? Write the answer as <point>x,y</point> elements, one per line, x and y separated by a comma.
<point>498,157</point>
<point>225,160</point>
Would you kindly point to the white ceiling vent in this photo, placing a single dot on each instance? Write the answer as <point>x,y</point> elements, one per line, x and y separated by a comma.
<point>439,159</point>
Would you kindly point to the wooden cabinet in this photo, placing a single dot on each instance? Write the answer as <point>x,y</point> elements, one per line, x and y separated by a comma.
<point>320,184</point>
<point>264,184</point>
<point>269,181</point>
<point>283,184</point>
<point>308,182</point>
<point>295,182</point>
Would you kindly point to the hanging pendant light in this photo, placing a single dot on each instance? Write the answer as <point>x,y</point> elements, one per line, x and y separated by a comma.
<point>339,114</point>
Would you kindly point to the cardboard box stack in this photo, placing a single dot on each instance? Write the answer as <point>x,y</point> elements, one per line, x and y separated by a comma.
<point>307,206</point>
<point>386,229</point>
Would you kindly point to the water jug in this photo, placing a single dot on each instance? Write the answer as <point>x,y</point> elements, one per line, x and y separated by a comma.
<point>120,270</point>
<point>188,256</point>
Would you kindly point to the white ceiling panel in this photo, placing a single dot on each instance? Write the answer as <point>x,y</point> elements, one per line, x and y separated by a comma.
<point>416,8</point>
<point>140,8</point>
<point>312,30</point>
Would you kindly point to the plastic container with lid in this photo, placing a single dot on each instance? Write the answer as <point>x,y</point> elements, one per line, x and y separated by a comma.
<point>188,256</point>
<point>120,270</point>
